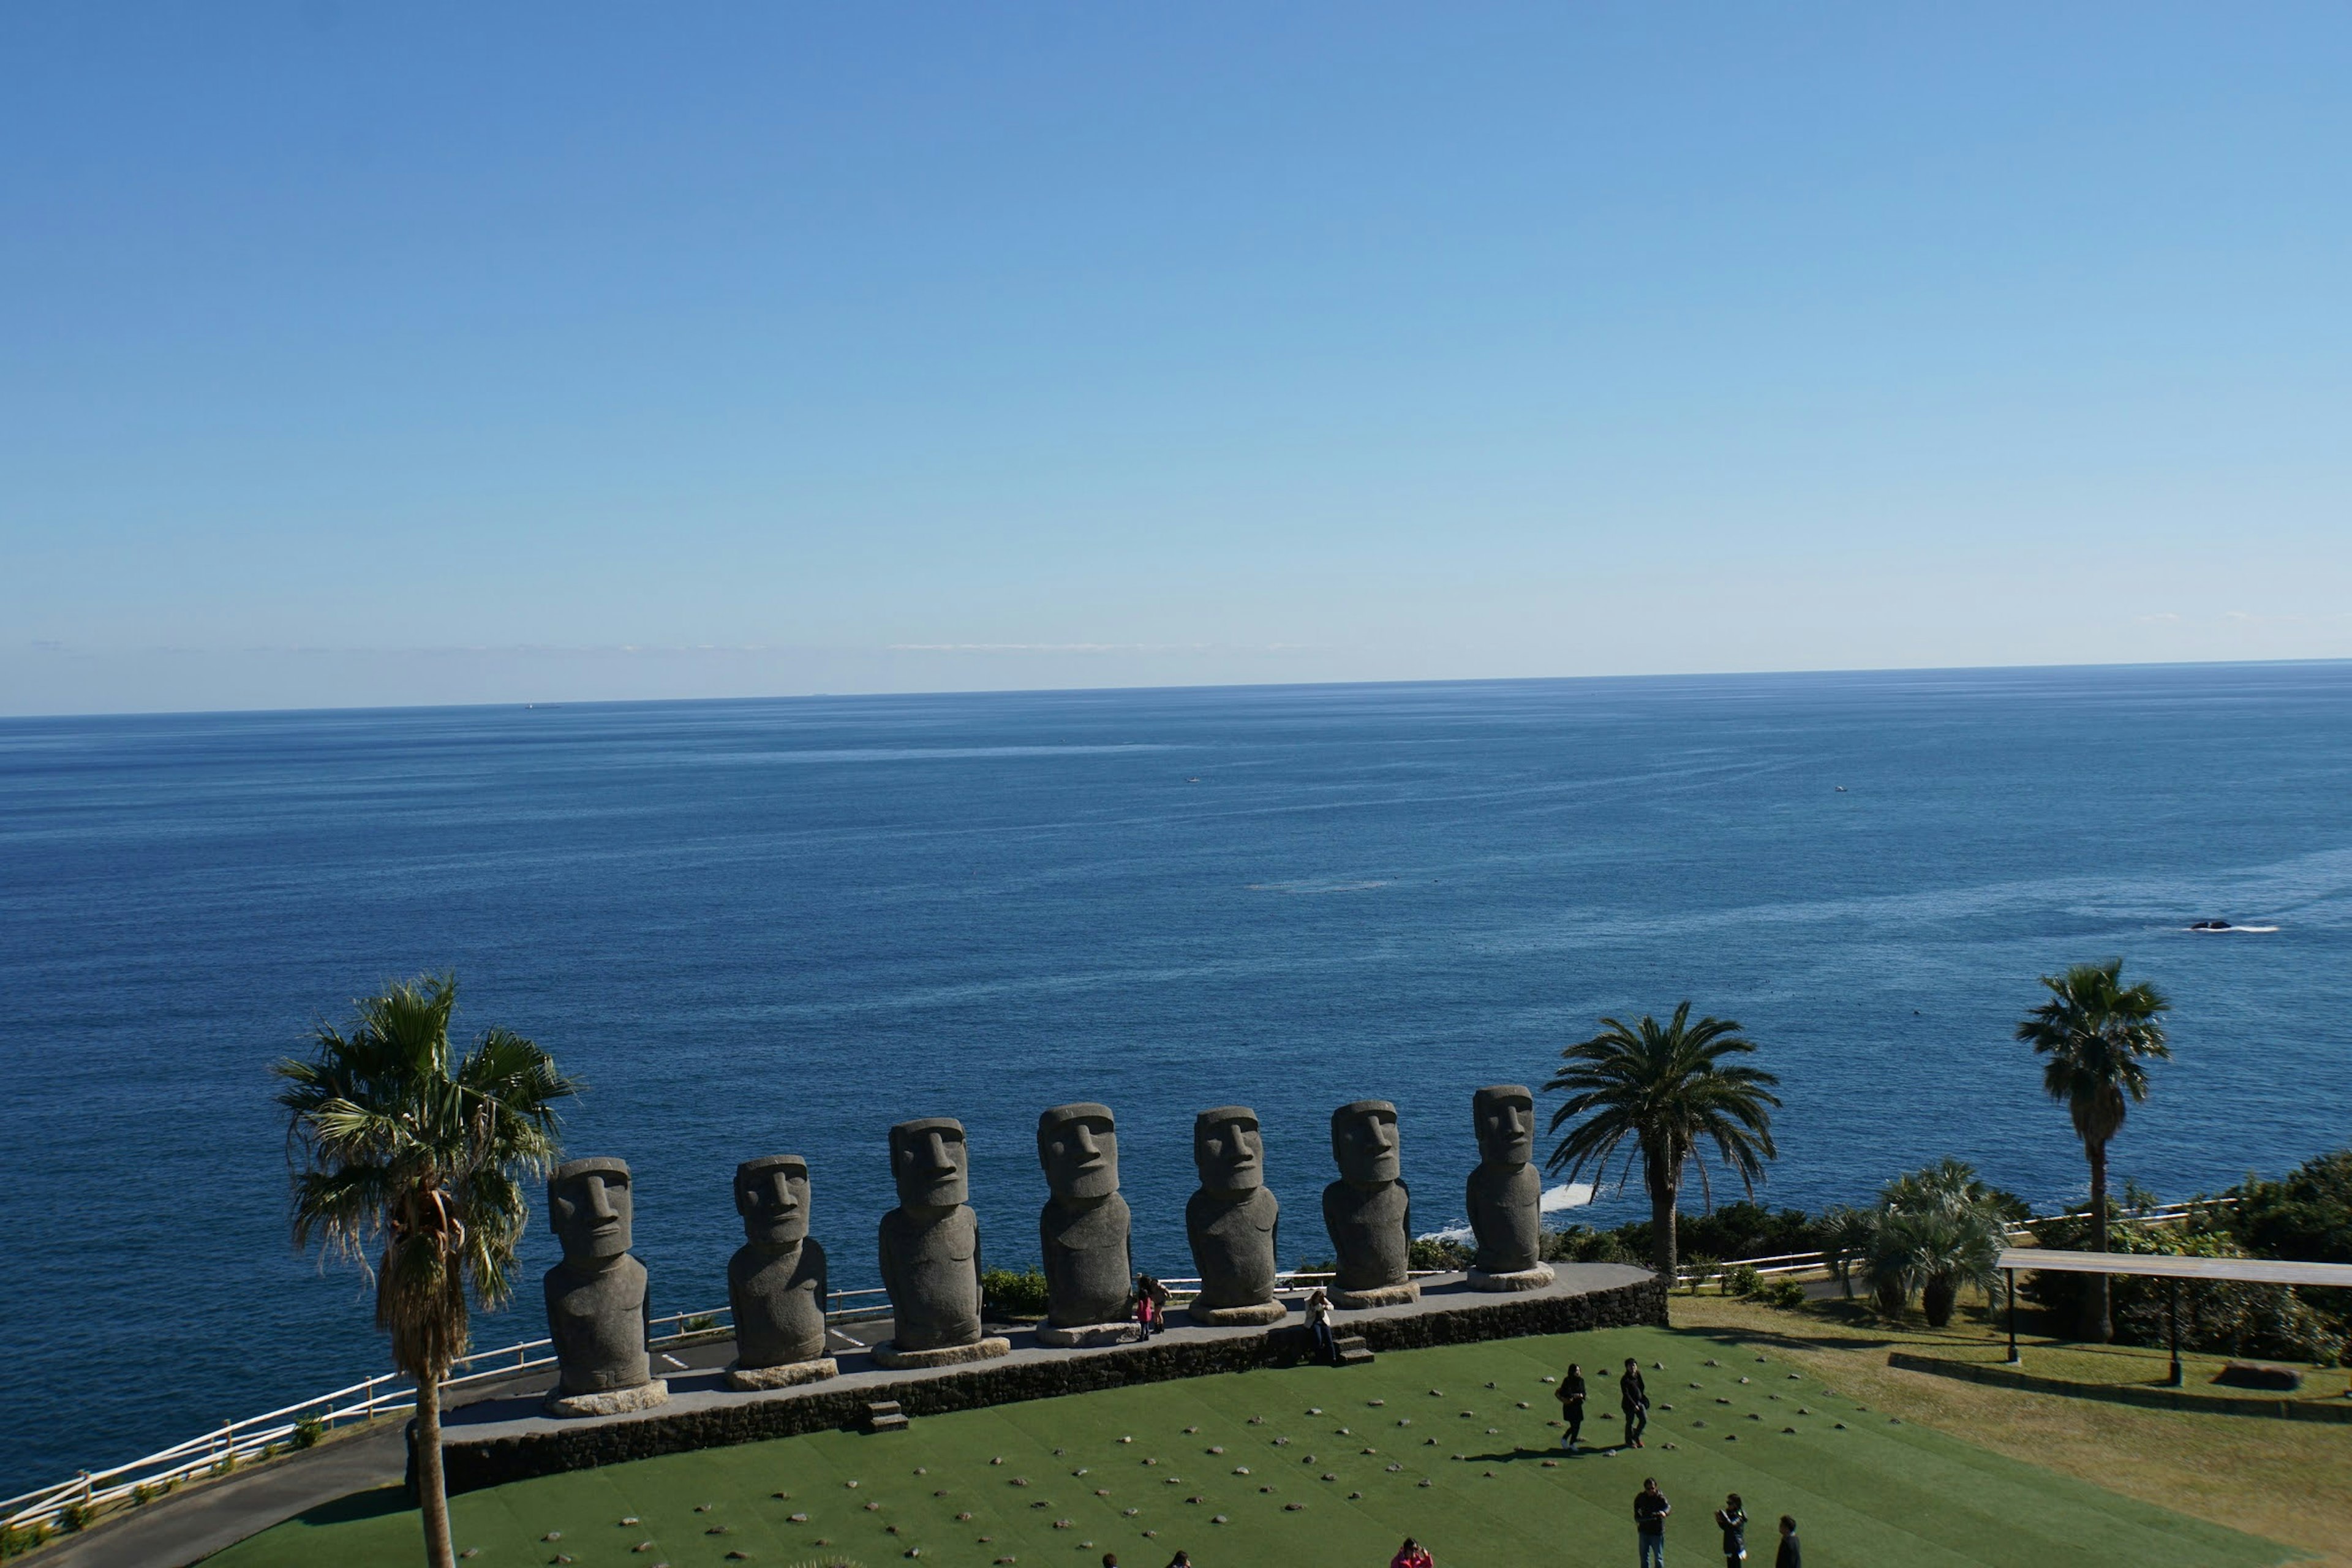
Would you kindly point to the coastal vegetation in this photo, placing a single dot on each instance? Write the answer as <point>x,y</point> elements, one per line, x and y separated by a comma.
<point>1657,1095</point>
<point>403,1150</point>
<point>2099,1036</point>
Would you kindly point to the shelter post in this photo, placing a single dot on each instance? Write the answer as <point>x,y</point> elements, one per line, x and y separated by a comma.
<point>2011,1276</point>
<point>2172,1322</point>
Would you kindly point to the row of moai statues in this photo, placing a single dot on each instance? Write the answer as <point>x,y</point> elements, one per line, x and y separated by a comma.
<point>929,1244</point>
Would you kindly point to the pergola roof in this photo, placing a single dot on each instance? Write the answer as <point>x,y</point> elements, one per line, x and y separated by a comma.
<point>2158,1266</point>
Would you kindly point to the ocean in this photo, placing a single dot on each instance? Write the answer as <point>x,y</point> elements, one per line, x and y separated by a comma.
<point>758,927</point>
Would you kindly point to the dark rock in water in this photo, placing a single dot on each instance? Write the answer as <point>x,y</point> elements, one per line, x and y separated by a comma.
<point>2261,1375</point>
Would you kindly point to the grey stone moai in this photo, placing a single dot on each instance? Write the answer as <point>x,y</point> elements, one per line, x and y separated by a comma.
<point>776,1280</point>
<point>1231,1221</point>
<point>930,1248</point>
<point>1083,1229</point>
<point>1505,1193</point>
<point>1368,1210</point>
<point>596,1296</point>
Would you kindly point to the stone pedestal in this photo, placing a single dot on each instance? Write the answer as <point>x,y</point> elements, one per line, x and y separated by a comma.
<point>1378,1296</point>
<point>1083,1336</point>
<point>1237,1317</point>
<point>615,1402</point>
<point>1534,1279</point>
<point>791,1375</point>
<point>889,1355</point>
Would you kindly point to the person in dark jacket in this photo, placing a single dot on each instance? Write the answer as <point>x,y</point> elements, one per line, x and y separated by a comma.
<point>1571,1406</point>
<point>1650,1510</point>
<point>1633,1397</point>
<point>1732,1519</point>
<point>1790,1556</point>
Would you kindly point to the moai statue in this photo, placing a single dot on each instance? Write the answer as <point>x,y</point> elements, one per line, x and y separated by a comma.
<point>1368,1210</point>
<point>775,1281</point>
<point>1082,1230</point>
<point>1231,1221</point>
<point>596,1296</point>
<point>930,1252</point>
<point>1505,1199</point>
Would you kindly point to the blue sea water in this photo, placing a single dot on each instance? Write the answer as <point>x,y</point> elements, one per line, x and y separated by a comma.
<point>766,926</point>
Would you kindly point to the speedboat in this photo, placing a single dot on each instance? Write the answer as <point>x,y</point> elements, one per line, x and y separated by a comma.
<point>2212,925</point>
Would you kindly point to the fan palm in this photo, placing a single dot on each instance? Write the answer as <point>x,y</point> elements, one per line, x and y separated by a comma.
<point>2099,1035</point>
<point>398,1142</point>
<point>1934,1231</point>
<point>1657,1092</point>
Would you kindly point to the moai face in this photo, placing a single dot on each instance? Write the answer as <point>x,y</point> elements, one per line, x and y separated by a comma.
<point>1364,1141</point>
<point>927,1158</point>
<point>588,1206</point>
<point>1228,1149</point>
<point>771,1193</point>
<point>1078,1146</point>
<point>1506,1118</point>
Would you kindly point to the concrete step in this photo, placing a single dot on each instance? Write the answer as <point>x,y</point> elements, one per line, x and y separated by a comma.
<point>884,1416</point>
<point>1352,1351</point>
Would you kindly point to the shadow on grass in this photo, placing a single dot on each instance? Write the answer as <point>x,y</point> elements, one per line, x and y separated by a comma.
<point>372,1504</point>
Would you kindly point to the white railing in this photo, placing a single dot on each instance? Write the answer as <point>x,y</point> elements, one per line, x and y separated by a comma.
<point>1786,1263</point>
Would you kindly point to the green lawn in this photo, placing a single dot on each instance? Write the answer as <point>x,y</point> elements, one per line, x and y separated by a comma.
<point>1339,1466</point>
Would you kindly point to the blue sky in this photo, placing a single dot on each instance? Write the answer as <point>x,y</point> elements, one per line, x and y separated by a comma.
<point>365,355</point>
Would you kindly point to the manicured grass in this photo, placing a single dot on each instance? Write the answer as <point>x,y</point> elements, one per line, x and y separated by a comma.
<point>2286,1480</point>
<point>1339,1466</point>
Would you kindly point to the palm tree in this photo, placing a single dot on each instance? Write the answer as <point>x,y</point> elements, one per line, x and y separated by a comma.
<point>1934,1231</point>
<point>1664,1091</point>
<point>2099,1035</point>
<point>394,1140</point>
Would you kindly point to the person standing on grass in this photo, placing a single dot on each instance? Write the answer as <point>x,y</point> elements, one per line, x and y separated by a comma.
<point>1413,1554</point>
<point>1790,1556</point>
<point>1650,1510</point>
<point>1634,1396</point>
<point>1732,1519</point>
<point>1571,1405</point>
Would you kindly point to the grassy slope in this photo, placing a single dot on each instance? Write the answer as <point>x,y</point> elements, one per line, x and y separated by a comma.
<point>1870,1491</point>
<point>2289,1480</point>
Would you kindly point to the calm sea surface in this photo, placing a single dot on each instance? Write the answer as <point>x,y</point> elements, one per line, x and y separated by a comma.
<point>773,926</point>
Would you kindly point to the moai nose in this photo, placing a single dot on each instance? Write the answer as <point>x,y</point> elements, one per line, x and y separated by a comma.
<point>600,1206</point>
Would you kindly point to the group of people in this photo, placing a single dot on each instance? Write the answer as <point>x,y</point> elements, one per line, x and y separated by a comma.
<point>1150,1304</point>
<point>1650,1510</point>
<point>1633,1399</point>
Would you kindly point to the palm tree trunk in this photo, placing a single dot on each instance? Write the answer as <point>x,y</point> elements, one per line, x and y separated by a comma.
<point>2098,1325</point>
<point>432,1487</point>
<point>1663,1185</point>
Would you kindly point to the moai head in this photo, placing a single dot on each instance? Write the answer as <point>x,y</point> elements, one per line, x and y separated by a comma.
<point>1506,1118</point>
<point>927,1158</point>
<point>1364,1141</point>
<point>588,1206</point>
<point>1228,1149</point>
<point>1078,1146</point>
<point>771,1193</point>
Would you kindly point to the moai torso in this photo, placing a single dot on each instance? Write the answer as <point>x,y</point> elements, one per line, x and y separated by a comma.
<point>1371,1232</point>
<point>1088,1267</point>
<point>1505,1215</point>
<point>779,1296</point>
<point>597,1319</point>
<point>1233,1245</point>
<point>930,1265</point>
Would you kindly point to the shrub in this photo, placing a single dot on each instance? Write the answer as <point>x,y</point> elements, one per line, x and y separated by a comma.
<point>1440,1252</point>
<point>1011,1295</point>
<point>1582,1244</point>
<point>143,1494</point>
<point>1699,1269</point>
<point>1782,1293</point>
<point>307,1430</point>
<point>74,1516</point>
<point>701,1323</point>
<point>1742,1280</point>
<point>14,1539</point>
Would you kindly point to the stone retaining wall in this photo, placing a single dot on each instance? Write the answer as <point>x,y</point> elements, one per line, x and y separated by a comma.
<point>495,1461</point>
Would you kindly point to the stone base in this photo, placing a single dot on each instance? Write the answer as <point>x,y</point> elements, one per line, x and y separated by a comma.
<point>1082,1336</point>
<point>1534,1279</point>
<point>611,1402</point>
<point>1378,1296</point>
<point>890,1356</point>
<point>791,1375</point>
<point>1237,1317</point>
